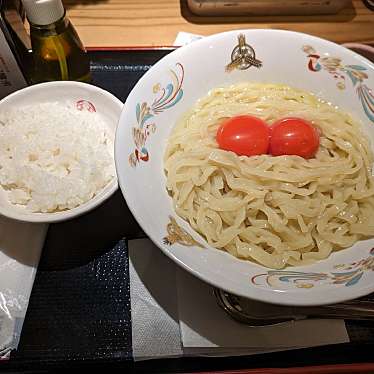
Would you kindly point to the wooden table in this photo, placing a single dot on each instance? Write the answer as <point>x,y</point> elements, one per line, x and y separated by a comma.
<point>118,23</point>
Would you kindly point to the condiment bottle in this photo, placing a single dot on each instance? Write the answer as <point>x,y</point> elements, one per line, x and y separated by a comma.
<point>58,53</point>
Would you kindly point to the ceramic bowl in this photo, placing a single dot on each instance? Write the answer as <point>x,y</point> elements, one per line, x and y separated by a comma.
<point>172,86</point>
<point>84,97</point>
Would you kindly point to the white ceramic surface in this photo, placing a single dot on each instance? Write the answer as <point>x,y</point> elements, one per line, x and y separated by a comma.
<point>172,86</point>
<point>83,96</point>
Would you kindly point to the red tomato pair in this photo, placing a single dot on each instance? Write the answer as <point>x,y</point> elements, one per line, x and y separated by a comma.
<point>249,136</point>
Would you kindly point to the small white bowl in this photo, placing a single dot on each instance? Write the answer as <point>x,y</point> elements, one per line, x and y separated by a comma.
<point>172,86</point>
<point>87,97</point>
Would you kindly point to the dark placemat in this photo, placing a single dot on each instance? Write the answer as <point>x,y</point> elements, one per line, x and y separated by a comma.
<point>80,312</point>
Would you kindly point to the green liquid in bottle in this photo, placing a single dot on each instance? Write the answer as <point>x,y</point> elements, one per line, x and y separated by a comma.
<point>58,53</point>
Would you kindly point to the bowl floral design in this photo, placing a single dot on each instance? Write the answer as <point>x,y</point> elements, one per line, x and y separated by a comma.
<point>172,86</point>
<point>167,98</point>
<point>335,67</point>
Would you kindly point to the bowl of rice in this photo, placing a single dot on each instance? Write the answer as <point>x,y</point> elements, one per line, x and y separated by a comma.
<point>56,150</point>
<point>290,224</point>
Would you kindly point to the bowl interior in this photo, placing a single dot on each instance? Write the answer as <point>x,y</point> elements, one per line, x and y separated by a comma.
<point>84,97</point>
<point>171,87</point>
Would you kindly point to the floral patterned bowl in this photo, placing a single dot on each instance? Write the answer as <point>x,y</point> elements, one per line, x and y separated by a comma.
<point>172,86</point>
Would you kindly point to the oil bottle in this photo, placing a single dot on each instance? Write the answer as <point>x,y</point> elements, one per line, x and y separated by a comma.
<point>58,53</point>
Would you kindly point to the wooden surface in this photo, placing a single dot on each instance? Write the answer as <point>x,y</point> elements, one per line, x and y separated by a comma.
<point>118,23</point>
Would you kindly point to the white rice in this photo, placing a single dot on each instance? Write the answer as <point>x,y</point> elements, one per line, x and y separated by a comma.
<point>54,157</point>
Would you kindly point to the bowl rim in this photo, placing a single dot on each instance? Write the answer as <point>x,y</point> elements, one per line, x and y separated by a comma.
<point>105,193</point>
<point>272,296</point>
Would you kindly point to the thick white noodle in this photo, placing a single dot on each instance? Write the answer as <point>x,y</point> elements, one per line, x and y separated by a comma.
<point>276,211</point>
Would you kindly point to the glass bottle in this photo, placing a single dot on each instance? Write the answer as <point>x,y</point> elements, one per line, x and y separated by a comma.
<point>58,53</point>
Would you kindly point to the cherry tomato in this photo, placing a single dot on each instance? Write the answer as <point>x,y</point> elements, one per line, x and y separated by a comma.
<point>244,135</point>
<point>293,136</point>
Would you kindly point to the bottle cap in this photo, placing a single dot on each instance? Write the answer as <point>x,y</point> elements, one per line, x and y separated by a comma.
<point>43,12</point>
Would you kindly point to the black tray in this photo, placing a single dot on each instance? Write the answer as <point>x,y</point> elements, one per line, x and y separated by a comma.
<point>79,311</point>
